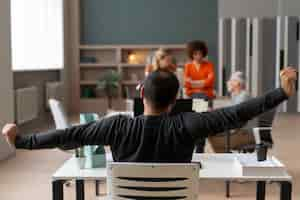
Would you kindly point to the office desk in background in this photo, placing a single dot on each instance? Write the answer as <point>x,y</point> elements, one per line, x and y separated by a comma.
<point>214,167</point>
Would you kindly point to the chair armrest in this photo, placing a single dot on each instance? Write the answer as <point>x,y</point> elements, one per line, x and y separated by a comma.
<point>256,133</point>
<point>263,128</point>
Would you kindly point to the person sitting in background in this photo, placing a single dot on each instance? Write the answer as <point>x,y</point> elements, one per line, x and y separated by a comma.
<point>162,61</point>
<point>241,137</point>
<point>236,88</point>
<point>199,75</point>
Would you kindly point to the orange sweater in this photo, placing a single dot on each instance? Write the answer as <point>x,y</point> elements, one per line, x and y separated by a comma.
<point>205,73</point>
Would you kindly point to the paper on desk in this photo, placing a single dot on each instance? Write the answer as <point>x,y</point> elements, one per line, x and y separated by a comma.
<point>200,105</point>
<point>251,161</point>
<point>249,166</point>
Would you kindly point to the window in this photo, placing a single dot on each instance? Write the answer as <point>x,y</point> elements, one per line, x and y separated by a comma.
<point>37,34</point>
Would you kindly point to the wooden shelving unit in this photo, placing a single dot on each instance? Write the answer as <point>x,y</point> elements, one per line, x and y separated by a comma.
<point>97,65</point>
<point>96,59</point>
<point>88,82</point>
<point>127,65</point>
<point>88,61</point>
<point>130,83</point>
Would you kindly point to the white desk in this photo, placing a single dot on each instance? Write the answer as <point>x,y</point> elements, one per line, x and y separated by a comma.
<point>214,167</point>
<point>222,167</point>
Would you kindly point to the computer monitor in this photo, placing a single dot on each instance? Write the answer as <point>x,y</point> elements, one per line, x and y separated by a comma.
<point>181,105</point>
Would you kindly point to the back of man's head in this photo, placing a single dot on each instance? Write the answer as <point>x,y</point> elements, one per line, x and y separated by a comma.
<point>160,89</point>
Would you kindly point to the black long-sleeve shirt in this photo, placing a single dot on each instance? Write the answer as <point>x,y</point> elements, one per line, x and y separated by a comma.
<point>161,138</point>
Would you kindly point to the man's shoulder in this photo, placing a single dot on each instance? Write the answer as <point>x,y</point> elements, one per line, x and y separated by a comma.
<point>181,116</point>
<point>115,117</point>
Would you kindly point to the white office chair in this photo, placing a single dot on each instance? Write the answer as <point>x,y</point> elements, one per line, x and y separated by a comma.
<point>60,117</point>
<point>152,181</point>
<point>60,120</point>
<point>59,114</point>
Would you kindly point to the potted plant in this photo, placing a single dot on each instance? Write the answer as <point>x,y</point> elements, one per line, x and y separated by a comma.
<point>109,83</point>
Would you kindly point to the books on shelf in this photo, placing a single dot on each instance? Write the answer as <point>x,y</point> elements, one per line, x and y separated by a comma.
<point>96,65</point>
<point>130,82</point>
<point>133,65</point>
<point>92,82</point>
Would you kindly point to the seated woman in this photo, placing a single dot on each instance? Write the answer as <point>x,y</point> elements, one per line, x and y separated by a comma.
<point>243,137</point>
<point>236,88</point>
<point>162,60</point>
<point>199,77</point>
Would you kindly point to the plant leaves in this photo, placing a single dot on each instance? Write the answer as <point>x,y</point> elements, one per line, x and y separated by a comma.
<point>109,81</point>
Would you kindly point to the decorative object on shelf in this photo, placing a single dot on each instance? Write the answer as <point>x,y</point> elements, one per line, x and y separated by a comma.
<point>132,58</point>
<point>174,61</point>
<point>109,82</point>
<point>88,92</point>
<point>150,58</point>
<point>134,77</point>
<point>88,59</point>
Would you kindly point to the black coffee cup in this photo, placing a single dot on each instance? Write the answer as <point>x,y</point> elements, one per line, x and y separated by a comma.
<point>261,151</point>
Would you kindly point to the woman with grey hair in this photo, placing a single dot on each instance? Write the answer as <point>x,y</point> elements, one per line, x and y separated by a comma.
<point>237,88</point>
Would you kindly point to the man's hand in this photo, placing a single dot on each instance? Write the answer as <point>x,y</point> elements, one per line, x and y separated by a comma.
<point>9,131</point>
<point>288,77</point>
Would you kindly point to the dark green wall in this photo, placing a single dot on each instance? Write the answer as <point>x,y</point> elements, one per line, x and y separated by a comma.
<point>149,22</point>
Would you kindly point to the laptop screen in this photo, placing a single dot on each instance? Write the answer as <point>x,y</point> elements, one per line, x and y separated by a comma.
<point>181,105</point>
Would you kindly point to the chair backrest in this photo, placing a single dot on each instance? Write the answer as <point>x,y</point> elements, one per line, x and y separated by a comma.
<point>59,115</point>
<point>152,181</point>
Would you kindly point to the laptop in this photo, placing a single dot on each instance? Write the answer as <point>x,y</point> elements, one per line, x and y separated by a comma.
<point>181,106</point>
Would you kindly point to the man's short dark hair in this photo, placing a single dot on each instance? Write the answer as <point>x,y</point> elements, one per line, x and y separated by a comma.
<point>197,45</point>
<point>161,88</point>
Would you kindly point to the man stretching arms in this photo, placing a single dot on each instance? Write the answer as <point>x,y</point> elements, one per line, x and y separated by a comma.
<point>156,136</point>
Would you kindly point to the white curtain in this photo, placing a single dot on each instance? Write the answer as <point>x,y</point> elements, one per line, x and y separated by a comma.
<point>37,34</point>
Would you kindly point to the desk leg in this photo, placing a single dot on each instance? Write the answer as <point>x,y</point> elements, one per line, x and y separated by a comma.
<point>79,189</point>
<point>227,189</point>
<point>58,190</point>
<point>97,183</point>
<point>260,190</point>
<point>227,143</point>
<point>285,190</point>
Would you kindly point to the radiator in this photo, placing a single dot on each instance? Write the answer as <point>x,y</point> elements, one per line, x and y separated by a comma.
<point>54,90</point>
<point>26,100</point>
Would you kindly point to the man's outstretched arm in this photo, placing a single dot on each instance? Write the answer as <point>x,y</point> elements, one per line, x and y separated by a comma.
<point>202,125</point>
<point>103,132</point>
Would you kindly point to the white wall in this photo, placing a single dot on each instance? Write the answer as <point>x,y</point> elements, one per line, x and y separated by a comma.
<point>6,77</point>
<point>290,7</point>
<point>248,8</point>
